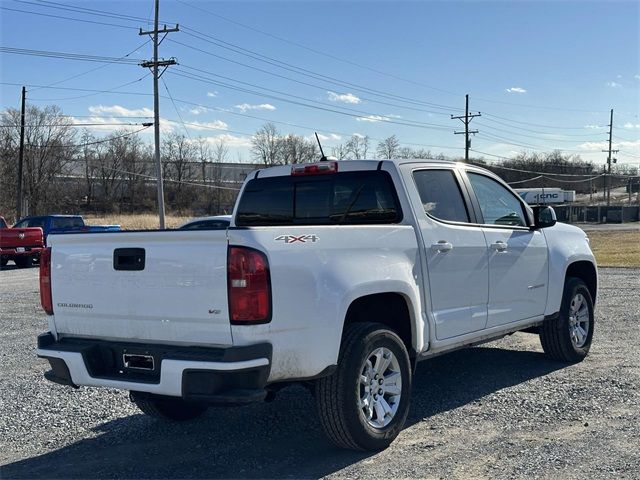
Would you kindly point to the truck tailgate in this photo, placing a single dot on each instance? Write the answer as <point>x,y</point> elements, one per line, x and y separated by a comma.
<point>160,287</point>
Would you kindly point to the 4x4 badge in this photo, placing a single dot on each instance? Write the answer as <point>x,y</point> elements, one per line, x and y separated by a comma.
<point>297,238</point>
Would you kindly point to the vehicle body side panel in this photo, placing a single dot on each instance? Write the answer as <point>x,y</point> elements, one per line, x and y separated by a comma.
<point>567,245</point>
<point>314,283</point>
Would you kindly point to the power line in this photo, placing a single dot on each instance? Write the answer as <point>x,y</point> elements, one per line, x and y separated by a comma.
<point>173,181</point>
<point>69,56</point>
<point>308,73</point>
<point>175,107</point>
<point>82,10</point>
<point>561,127</point>
<point>386,118</point>
<point>67,18</point>
<point>316,86</point>
<point>128,134</point>
<point>95,92</point>
<point>537,137</point>
<point>350,62</point>
<point>96,68</point>
<point>524,129</point>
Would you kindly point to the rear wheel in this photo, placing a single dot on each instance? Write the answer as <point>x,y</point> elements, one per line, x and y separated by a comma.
<point>167,408</point>
<point>568,337</point>
<point>3,262</point>
<point>364,404</point>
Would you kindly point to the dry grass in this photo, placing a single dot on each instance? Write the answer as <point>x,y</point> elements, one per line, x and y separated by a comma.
<point>616,249</point>
<point>136,221</point>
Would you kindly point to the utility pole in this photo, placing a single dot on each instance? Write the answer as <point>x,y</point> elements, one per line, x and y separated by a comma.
<point>155,65</point>
<point>466,119</point>
<point>20,157</point>
<point>609,160</point>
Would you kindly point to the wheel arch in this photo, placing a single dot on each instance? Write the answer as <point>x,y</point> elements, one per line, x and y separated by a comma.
<point>393,309</point>
<point>585,271</point>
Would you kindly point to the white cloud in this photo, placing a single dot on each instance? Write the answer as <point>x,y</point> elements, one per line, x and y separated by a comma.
<point>343,97</point>
<point>593,126</point>
<point>516,90</point>
<point>229,140</point>
<point>373,118</point>
<point>604,145</point>
<point>637,76</point>
<point>613,84</point>
<point>212,94</point>
<point>631,125</point>
<point>104,117</point>
<point>326,138</point>
<point>263,106</point>
<point>215,125</point>
<point>359,135</point>
<point>117,110</point>
<point>198,110</point>
<point>618,76</point>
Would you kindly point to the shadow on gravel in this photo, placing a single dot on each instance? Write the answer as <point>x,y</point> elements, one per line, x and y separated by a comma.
<point>274,440</point>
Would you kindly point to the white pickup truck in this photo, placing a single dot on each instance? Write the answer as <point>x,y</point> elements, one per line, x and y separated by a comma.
<point>337,275</point>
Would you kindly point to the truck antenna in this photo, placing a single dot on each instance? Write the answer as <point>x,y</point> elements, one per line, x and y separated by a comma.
<point>323,158</point>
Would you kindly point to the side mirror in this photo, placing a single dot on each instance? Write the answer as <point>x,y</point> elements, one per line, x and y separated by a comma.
<point>544,216</point>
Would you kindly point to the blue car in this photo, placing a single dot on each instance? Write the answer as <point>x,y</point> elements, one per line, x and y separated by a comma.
<point>63,224</point>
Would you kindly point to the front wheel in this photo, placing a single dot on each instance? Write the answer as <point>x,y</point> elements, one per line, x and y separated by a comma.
<point>167,408</point>
<point>568,337</point>
<point>364,404</point>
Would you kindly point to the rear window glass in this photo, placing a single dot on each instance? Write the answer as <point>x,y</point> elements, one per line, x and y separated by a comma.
<point>333,199</point>
<point>3,224</point>
<point>67,222</point>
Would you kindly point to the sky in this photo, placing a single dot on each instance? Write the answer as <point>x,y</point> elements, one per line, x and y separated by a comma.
<point>544,75</point>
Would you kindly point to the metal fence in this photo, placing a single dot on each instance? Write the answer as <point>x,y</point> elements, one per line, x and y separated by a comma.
<point>597,214</point>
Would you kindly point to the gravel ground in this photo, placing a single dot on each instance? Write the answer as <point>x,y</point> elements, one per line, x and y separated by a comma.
<point>497,411</point>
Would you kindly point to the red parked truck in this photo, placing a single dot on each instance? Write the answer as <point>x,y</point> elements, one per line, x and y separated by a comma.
<point>22,245</point>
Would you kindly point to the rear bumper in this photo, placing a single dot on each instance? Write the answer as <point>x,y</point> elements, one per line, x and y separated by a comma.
<point>232,375</point>
<point>12,252</point>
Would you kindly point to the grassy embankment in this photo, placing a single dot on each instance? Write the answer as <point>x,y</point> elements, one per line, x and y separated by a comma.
<point>612,249</point>
<point>616,249</point>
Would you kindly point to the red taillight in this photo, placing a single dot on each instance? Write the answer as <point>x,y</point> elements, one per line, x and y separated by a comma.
<point>249,286</point>
<point>320,168</point>
<point>45,281</point>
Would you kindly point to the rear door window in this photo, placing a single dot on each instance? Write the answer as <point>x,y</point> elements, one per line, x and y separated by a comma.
<point>440,194</point>
<point>366,197</point>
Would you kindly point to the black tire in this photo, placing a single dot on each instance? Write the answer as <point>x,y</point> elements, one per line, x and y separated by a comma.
<point>555,334</point>
<point>22,262</point>
<point>167,408</point>
<point>3,262</point>
<point>337,395</point>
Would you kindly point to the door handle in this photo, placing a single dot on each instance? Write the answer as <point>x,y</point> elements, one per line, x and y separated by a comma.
<point>442,246</point>
<point>499,246</point>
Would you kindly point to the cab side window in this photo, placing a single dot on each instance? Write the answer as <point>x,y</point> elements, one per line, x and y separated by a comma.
<point>440,194</point>
<point>498,205</point>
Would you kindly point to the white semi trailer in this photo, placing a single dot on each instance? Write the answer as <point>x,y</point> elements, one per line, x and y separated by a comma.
<point>537,196</point>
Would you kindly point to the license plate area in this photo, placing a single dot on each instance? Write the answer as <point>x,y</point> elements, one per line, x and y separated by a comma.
<point>138,362</point>
<point>20,249</point>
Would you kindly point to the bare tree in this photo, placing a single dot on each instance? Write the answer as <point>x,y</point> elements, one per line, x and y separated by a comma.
<point>49,150</point>
<point>265,145</point>
<point>389,147</point>
<point>357,147</point>
<point>340,151</point>
<point>296,149</point>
